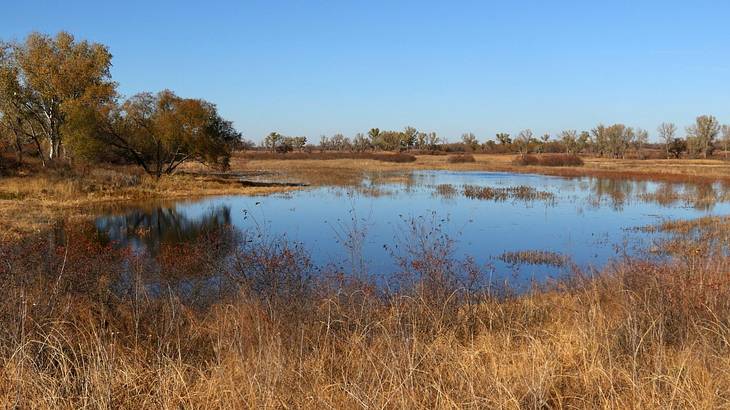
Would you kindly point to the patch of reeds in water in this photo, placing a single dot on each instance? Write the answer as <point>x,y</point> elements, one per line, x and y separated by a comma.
<point>446,190</point>
<point>521,192</point>
<point>535,257</point>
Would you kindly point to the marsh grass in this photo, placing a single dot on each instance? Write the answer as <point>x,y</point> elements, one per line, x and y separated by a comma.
<point>89,323</point>
<point>549,160</point>
<point>536,257</point>
<point>521,193</point>
<point>461,158</point>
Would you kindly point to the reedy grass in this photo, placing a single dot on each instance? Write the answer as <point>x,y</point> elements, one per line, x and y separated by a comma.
<point>640,334</point>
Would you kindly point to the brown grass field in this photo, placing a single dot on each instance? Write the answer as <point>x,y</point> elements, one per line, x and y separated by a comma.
<point>639,334</point>
<point>82,327</point>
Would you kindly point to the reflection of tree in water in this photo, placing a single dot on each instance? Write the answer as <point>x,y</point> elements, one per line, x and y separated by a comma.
<point>700,196</point>
<point>175,252</point>
<point>162,225</point>
<point>615,191</point>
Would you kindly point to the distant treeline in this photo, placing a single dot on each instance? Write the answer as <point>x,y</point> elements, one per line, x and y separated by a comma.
<point>701,139</point>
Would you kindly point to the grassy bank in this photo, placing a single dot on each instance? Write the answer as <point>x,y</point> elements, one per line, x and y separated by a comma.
<point>32,201</point>
<point>348,171</point>
<point>84,328</point>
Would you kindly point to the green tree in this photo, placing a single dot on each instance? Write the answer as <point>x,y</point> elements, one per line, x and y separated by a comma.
<point>272,141</point>
<point>503,138</point>
<point>156,131</point>
<point>677,146</point>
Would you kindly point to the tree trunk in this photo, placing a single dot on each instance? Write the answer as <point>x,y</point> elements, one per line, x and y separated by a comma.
<point>18,148</point>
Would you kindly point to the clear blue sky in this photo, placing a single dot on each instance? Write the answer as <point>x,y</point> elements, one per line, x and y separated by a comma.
<point>312,68</point>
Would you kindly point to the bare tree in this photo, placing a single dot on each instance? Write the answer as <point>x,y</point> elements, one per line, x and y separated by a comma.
<point>641,138</point>
<point>667,132</point>
<point>523,141</point>
<point>569,138</point>
<point>725,138</point>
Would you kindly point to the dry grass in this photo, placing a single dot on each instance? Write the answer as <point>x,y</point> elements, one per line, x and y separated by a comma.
<point>348,171</point>
<point>638,335</point>
<point>31,202</point>
<point>459,158</point>
<point>549,160</point>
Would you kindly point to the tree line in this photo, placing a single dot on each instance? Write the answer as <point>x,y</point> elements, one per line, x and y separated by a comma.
<point>59,102</point>
<point>701,139</point>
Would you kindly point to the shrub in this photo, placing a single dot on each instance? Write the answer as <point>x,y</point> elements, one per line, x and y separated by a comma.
<point>461,158</point>
<point>549,160</point>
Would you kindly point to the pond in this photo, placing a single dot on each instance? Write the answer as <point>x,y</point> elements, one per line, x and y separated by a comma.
<point>523,227</point>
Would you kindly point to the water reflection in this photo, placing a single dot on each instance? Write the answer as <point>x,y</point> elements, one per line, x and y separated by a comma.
<point>150,227</point>
<point>585,219</point>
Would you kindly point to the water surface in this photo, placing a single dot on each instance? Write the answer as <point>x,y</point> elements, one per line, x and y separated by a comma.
<point>587,219</point>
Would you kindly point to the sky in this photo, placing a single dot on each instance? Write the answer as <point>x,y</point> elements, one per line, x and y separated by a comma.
<point>321,67</point>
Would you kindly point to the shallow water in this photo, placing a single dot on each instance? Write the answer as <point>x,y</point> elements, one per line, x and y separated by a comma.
<point>587,219</point>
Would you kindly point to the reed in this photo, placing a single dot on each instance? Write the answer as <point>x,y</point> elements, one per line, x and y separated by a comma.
<point>88,323</point>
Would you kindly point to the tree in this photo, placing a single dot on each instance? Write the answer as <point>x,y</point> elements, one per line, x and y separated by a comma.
<point>614,139</point>
<point>432,140</point>
<point>667,132</point>
<point>340,143</point>
<point>677,146</point>
<point>272,141</point>
<point>641,138</point>
<point>18,123</point>
<point>58,74</point>
<point>156,131</point>
<point>503,138</point>
<point>569,139</point>
<point>542,142</point>
<point>297,143</point>
<point>373,134</point>
<point>600,139</point>
<point>409,137</point>
<point>361,142</point>
<point>583,140</point>
<point>523,141</point>
<point>725,138</point>
<point>470,141</point>
<point>703,133</point>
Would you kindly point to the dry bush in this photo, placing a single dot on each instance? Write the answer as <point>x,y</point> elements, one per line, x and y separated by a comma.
<point>549,160</point>
<point>461,158</point>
